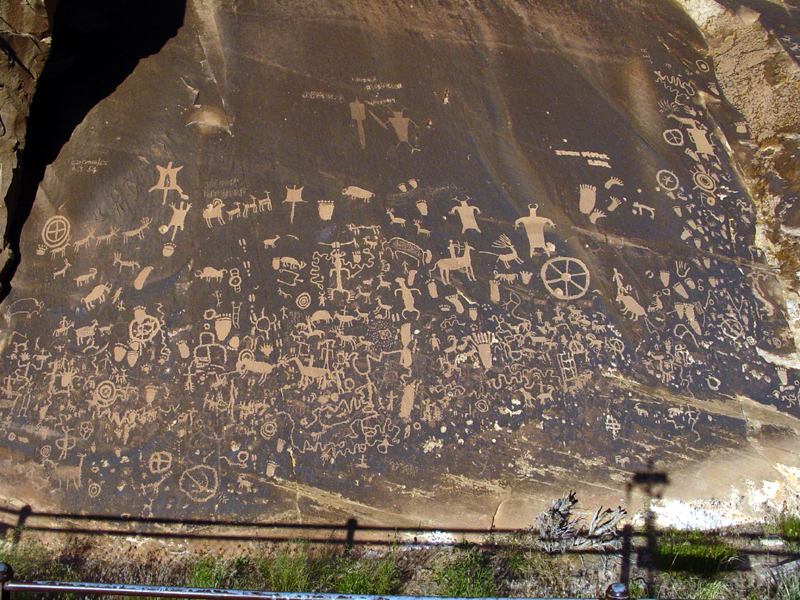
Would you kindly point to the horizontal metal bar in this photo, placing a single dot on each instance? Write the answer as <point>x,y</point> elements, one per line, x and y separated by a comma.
<point>207,593</point>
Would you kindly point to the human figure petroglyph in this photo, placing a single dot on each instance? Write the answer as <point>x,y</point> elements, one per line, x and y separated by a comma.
<point>338,269</point>
<point>407,295</point>
<point>63,328</point>
<point>400,124</point>
<point>167,181</point>
<point>213,212</point>
<point>359,114</point>
<point>456,263</point>
<point>177,221</point>
<point>467,215</point>
<point>534,227</point>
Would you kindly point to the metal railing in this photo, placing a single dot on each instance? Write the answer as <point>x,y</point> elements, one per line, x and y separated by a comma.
<point>616,591</point>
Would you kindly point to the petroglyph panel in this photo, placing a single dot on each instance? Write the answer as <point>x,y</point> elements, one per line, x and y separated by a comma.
<point>386,273</point>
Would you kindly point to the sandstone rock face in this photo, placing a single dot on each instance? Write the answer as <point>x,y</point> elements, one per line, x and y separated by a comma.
<point>410,263</point>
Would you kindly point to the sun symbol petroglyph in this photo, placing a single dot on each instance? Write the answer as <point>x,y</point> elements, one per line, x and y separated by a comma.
<point>104,395</point>
<point>303,300</point>
<point>268,429</point>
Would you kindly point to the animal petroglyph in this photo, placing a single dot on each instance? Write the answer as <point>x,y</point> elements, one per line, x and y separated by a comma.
<point>210,274</point>
<point>456,263</point>
<point>504,243</point>
<point>356,193</point>
<point>138,232</point>
<point>98,294</point>
<point>213,212</point>
<point>178,219</point>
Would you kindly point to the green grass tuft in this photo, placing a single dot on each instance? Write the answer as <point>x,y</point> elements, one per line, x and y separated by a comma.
<point>296,568</point>
<point>789,527</point>
<point>788,588</point>
<point>367,576</point>
<point>215,572</point>
<point>468,574</point>
<point>694,552</point>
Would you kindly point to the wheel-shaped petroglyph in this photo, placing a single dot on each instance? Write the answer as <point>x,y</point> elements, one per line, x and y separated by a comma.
<point>200,483</point>
<point>144,327</point>
<point>674,137</point>
<point>667,180</point>
<point>565,278</point>
<point>55,231</point>
<point>160,462</point>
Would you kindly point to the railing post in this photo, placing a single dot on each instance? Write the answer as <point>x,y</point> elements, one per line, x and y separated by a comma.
<point>6,574</point>
<point>617,591</point>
